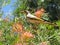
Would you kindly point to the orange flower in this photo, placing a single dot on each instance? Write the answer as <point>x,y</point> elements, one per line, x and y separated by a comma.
<point>18,27</point>
<point>39,12</point>
<point>27,35</point>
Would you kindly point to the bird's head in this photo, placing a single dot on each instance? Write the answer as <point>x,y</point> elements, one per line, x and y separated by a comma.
<point>25,12</point>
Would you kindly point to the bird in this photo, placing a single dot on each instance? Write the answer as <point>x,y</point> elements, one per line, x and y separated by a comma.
<point>34,19</point>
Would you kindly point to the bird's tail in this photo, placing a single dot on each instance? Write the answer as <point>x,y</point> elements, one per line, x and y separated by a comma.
<point>46,22</point>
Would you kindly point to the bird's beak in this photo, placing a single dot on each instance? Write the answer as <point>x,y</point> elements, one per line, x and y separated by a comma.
<point>24,12</point>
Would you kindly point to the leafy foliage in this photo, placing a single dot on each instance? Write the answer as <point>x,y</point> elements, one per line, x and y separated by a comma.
<point>41,34</point>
